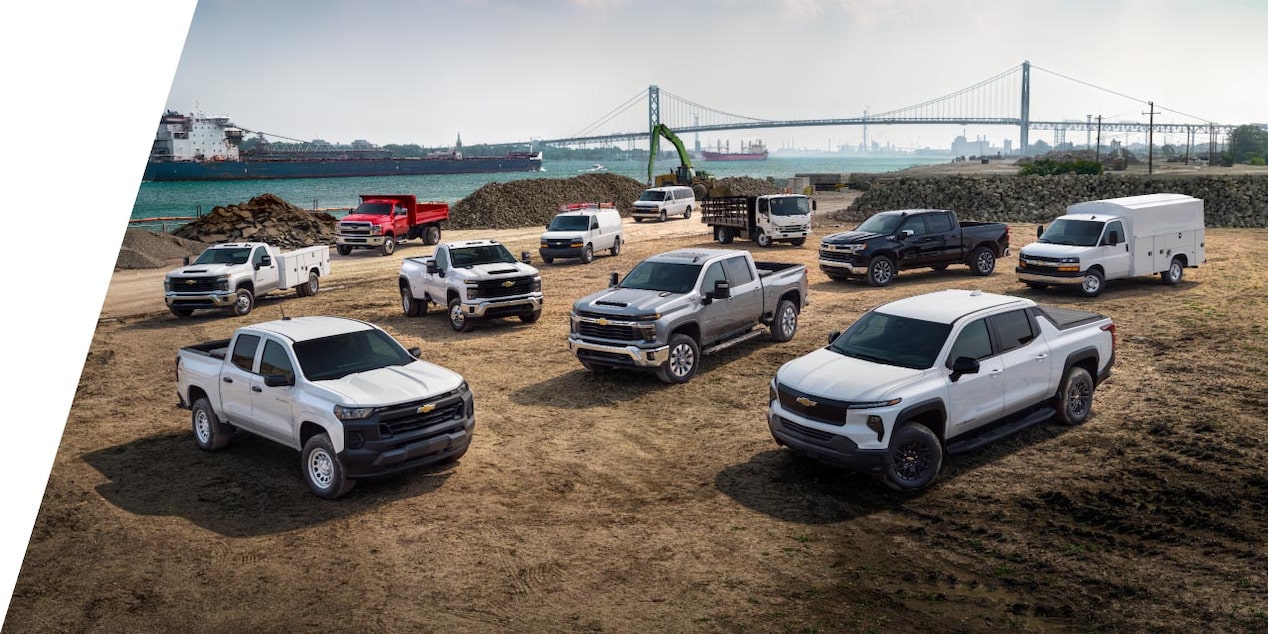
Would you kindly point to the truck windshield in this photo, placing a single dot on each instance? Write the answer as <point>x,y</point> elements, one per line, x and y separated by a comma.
<point>374,209</point>
<point>884,224</point>
<point>224,256</point>
<point>893,340</point>
<point>792,206</point>
<point>569,223</point>
<point>652,196</point>
<point>483,254</point>
<point>337,356</point>
<point>1079,233</point>
<point>670,277</point>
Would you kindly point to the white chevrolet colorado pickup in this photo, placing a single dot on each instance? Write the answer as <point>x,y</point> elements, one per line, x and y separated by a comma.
<point>942,372</point>
<point>343,392</point>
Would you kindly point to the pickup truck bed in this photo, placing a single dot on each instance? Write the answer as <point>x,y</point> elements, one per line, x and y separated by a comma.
<point>218,348</point>
<point>1066,318</point>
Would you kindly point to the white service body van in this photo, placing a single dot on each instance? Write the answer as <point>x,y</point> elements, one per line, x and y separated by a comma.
<point>1111,239</point>
<point>580,229</point>
<point>662,202</point>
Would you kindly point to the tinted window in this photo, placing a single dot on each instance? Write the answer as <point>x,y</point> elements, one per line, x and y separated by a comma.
<point>737,271</point>
<point>712,275</point>
<point>938,223</point>
<point>662,276</point>
<point>337,356</point>
<point>884,224</point>
<point>275,360</point>
<point>1080,233</point>
<point>1014,330</point>
<point>973,342</point>
<point>1114,227</point>
<point>244,351</point>
<point>893,340</point>
<point>916,225</point>
<point>567,223</point>
<point>442,258</point>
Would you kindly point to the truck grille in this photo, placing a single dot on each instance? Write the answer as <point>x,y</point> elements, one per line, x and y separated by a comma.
<point>400,419</point>
<point>558,244</point>
<point>806,432</point>
<point>1039,265</point>
<point>610,331</point>
<point>816,408</point>
<point>354,228</point>
<point>193,284</point>
<point>508,287</point>
<point>836,256</point>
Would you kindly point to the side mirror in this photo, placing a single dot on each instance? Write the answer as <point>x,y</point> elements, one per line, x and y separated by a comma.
<point>721,289</point>
<point>432,269</point>
<point>814,205</point>
<point>832,336</point>
<point>962,366</point>
<point>906,233</point>
<point>278,380</point>
<point>614,278</point>
<point>187,260</point>
<point>1112,238</point>
<point>525,258</point>
<point>415,352</point>
<point>1039,231</point>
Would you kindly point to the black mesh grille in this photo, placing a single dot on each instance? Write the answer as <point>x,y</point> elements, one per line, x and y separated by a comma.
<point>194,285</point>
<point>501,288</point>
<point>817,408</point>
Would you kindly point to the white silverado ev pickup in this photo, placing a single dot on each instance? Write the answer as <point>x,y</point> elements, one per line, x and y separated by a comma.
<point>234,275</point>
<point>938,373</point>
<point>472,279</point>
<point>343,392</point>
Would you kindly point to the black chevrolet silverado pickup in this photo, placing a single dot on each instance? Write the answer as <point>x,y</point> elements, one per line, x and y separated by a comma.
<point>912,238</point>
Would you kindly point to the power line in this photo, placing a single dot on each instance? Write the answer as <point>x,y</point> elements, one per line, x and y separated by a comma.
<point>1115,92</point>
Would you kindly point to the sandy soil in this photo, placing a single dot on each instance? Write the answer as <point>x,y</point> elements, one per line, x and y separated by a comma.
<point>616,504</point>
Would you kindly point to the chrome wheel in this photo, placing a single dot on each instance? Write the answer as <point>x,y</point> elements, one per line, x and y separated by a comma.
<point>457,317</point>
<point>881,272</point>
<point>788,321</point>
<point>321,468</point>
<point>1091,284</point>
<point>682,359</point>
<point>985,262</point>
<point>202,427</point>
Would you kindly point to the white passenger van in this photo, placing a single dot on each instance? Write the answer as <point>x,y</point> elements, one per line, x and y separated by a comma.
<point>1111,239</point>
<point>662,202</point>
<point>580,229</point>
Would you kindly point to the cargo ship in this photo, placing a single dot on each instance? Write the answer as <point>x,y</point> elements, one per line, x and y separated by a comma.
<point>199,148</point>
<point>754,151</point>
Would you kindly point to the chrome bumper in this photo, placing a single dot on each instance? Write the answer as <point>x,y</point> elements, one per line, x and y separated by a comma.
<point>844,267</point>
<point>479,309</point>
<point>193,300</point>
<point>1049,279</point>
<point>641,357</point>
<point>359,241</point>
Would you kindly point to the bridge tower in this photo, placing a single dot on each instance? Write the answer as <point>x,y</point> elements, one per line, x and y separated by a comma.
<point>1025,107</point>
<point>653,113</point>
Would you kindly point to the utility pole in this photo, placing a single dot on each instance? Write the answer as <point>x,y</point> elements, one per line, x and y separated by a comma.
<point>1089,131</point>
<point>1098,138</point>
<point>1188,142</point>
<point>1151,114</point>
<point>1210,154</point>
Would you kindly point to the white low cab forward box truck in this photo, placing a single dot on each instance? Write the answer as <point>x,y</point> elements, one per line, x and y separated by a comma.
<point>1102,240</point>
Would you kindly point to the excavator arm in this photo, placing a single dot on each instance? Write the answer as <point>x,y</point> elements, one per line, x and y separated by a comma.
<point>663,130</point>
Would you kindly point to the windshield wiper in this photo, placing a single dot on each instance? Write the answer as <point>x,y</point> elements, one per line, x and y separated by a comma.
<point>868,357</point>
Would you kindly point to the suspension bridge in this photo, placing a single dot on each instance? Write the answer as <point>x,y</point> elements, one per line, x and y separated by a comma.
<point>1001,100</point>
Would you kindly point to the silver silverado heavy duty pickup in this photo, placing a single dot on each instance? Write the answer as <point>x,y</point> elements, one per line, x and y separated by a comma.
<point>674,307</point>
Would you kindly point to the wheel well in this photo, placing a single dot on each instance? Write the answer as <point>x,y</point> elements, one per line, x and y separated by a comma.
<point>930,415</point>
<point>1097,268</point>
<point>1184,259</point>
<point>691,330</point>
<point>402,283</point>
<point>196,393</point>
<point>307,430</point>
<point>990,245</point>
<point>1088,364</point>
<point>249,285</point>
<point>451,295</point>
<point>793,296</point>
<point>883,254</point>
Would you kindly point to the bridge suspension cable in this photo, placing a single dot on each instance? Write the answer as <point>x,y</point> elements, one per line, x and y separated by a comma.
<point>615,112</point>
<point>1118,94</point>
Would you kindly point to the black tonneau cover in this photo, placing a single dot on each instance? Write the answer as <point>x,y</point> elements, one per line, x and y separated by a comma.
<point>1064,318</point>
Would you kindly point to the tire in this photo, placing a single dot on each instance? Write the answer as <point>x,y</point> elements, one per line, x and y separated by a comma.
<point>389,246</point>
<point>684,358</point>
<point>725,236</point>
<point>245,302</point>
<point>548,260</point>
<point>411,306</point>
<point>914,458</point>
<point>1039,286</point>
<point>1093,283</point>
<point>638,220</point>
<point>587,254</point>
<point>663,216</point>
<point>982,261</point>
<point>785,324</point>
<point>182,313</point>
<point>343,249</point>
<point>797,242</point>
<point>1074,397</point>
<point>881,271</point>
<point>686,215</point>
<point>309,288</point>
<point>531,318</point>
<point>616,247</point>
<point>322,471</point>
<point>431,235</point>
<point>762,239</point>
<point>1174,272</point>
<point>209,432</point>
<point>458,319</point>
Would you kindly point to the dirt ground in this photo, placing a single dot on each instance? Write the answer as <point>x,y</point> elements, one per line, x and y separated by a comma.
<point>617,504</point>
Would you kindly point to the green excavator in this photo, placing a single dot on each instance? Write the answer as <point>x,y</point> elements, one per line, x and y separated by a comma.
<point>700,182</point>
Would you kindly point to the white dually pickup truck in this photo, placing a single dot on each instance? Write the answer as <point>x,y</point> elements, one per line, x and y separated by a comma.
<point>938,373</point>
<point>474,279</point>
<point>233,275</point>
<point>343,392</point>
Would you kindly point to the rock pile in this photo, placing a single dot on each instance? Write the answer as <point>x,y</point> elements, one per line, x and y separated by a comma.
<point>143,249</point>
<point>265,218</point>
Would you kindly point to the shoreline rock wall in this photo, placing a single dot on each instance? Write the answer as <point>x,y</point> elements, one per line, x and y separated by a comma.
<point>1231,201</point>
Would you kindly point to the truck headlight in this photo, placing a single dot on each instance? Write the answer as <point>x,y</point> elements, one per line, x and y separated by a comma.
<point>473,292</point>
<point>167,285</point>
<point>537,284</point>
<point>773,394</point>
<point>545,244</point>
<point>222,283</point>
<point>649,332</point>
<point>376,230</point>
<point>874,404</point>
<point>353,413</point>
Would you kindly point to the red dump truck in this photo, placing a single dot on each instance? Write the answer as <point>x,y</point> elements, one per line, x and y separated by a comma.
<point>382,220</point>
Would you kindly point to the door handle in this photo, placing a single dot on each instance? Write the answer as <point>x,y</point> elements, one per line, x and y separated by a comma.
<point>996,372</point>
<point>226,379</point>
<point>256,388</point>
<point>1040,357</point>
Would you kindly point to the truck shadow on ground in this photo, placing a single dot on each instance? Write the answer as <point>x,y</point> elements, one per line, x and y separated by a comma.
<point>252,487</point>
<point>789,487</point>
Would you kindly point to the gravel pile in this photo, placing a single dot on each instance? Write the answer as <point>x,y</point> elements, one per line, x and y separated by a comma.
<point>265,218</point>
<point>143,249</point>
<point>535,201</point>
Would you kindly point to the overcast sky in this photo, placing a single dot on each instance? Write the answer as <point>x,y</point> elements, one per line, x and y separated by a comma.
<point>498,71</point>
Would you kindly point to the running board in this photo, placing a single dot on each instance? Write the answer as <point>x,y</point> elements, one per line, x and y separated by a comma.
<point>756,332</point>
<point>995,433</point>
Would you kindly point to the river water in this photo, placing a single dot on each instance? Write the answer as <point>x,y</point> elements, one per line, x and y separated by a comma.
<point>192,198</point>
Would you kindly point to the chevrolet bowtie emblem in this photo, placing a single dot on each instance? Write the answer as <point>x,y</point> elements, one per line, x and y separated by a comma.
<point>191,282</point>
<point>508,284</point>
<point>426,408</point>
<point>806,402</point>
<point>601,321</point>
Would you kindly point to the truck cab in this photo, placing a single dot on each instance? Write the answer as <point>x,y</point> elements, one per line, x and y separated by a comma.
<point>472,279</point>
<point>382,220</point>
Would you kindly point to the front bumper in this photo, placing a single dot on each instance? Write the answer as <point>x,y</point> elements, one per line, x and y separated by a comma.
<point>561,252</point>
<point>372,450</point>
<point>1050,277</point>
<point>840,268</point>
<point>824,446</point>
<point>218,299</point>
<point>502,307</point>
<point>629,355</point>
<point>359,241</point>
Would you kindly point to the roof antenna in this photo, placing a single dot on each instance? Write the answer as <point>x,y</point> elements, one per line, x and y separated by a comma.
<point>284,317</point>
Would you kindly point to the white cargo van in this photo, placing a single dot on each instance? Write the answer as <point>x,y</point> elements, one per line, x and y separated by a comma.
<point>580,229</point>
<point>662,202</point>
<point>1103,240</point>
